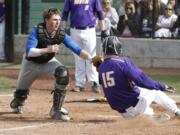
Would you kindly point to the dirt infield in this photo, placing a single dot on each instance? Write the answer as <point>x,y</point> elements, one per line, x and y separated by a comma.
<point>87,118</point>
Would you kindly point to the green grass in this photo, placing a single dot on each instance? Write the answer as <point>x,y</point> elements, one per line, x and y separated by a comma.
<point>5,85</point>
<point>172,80</point>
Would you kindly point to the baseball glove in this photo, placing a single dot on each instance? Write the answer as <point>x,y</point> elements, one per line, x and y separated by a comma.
<point>97,60</point>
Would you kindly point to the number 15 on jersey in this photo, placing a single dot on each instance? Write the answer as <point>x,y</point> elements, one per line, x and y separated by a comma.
<point>108,79</point>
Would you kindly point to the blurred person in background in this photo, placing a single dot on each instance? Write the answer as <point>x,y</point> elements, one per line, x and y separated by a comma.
<point>2,30</point>
<point>172,2</point>
<point>129,24</point>
<point>120,6</point>
<point>166,22</point>
<point>110,13</point>
<point>147,20</point>
<point>177,8</point>
<point>176,28</point>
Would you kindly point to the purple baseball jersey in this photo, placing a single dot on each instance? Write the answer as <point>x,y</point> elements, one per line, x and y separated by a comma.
<point>82,12</point>
<point>2,12</point>
<point>120,77</point>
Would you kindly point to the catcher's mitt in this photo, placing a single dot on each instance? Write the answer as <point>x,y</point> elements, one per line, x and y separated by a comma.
<point>97,60</point>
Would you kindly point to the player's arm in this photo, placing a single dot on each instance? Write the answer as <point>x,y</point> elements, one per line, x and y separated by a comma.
<point>32,51</point>
<point>65,14</point>
<point>140,78</point>
<point>69,43</point>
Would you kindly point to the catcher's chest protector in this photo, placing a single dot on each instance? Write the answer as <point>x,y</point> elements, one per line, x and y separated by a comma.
<point>44,40</point>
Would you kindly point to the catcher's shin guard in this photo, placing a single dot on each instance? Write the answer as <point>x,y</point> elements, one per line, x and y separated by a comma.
<point>19,98</point>
<point>62,80</point>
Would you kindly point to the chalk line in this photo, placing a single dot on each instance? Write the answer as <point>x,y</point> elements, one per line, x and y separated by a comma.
<point>108,116</point>
<point>24,127</point>
<point>6,95</point>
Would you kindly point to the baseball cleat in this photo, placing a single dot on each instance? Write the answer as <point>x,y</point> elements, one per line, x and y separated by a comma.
<point>177,113</point>
<point>95,87</point>
<point>65,117</point>
<point>77,89</point>
<point>59,115</point>
<point>18,109</point>
<point>17,105</point>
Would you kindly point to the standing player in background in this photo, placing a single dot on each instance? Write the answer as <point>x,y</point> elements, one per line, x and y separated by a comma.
<point>2,30</point>
<point>82,23</point>
<point>39,59</point>
<point>127,89</point>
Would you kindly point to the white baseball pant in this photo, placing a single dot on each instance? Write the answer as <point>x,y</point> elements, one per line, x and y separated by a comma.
<point>84,68</point>
<point>146,97</point>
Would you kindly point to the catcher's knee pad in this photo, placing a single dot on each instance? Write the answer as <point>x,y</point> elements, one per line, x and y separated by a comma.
<point>62,76</point>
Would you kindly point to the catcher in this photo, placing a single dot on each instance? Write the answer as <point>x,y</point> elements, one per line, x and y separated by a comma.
<point>127,89</point>
<point>39,59</point>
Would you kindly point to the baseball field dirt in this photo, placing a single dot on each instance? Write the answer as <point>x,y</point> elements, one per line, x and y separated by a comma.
<point>86,118</point>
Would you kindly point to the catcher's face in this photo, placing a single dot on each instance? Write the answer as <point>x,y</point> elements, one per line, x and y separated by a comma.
<point>53,23</point>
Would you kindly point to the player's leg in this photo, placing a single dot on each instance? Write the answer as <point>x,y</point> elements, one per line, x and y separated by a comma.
<point>62,80</point>
<point>141,107</point>
<point>146,97</point>
<point>2,37</point>
<point>80,76</point>
<point>160,98</point>
<point>80,65</point>
<point>26,77</point>
<point>166,102</point>
<point>61,75</point>
<point>89,43</point>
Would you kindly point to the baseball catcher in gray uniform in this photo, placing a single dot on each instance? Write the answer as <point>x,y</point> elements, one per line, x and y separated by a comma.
<point>42,44</point>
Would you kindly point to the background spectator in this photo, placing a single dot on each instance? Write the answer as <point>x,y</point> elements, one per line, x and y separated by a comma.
<point>147,20</point>
<point>120,7</point>
<point>166,22</point>
<point>177,8</point>
<point>111,14</point>
<point>172,2</point>
<point>176,5</point>
<point>2,30</point>
<point>129,24</point>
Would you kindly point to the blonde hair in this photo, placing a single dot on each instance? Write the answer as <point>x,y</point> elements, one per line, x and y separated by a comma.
<point>131,4</point>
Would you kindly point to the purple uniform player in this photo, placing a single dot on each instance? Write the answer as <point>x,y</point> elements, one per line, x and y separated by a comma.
<point>82,13</point>
<point>2,30</point>
<point>82,23</point>
<point>127,89</point>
